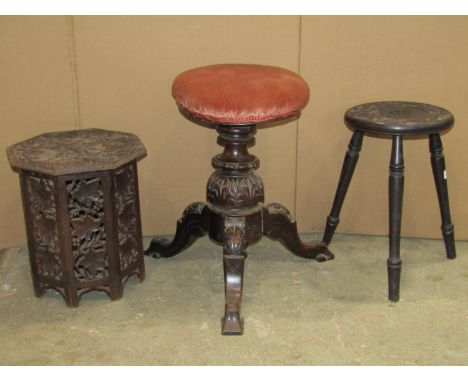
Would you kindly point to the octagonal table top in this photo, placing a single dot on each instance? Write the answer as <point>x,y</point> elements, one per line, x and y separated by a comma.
<point>75,151</point>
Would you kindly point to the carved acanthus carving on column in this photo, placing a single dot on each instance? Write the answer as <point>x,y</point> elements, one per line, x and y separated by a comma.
<point>235,190</point>
<point>234,236</point>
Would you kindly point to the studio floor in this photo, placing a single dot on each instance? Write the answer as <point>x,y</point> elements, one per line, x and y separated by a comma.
<point>296,311</point>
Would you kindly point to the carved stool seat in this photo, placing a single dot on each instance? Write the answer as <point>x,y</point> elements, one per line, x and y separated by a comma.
<point>397,119</point>
<point>236,98</point>
<point>82,212</point>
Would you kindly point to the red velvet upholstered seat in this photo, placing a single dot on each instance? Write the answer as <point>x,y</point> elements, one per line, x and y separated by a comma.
<point>240,93</point>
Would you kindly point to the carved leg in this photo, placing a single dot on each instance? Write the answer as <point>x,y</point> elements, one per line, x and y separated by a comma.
<point>395,188</point>
<point>234,254</point>
<point>349,164</point>
<point>440,178</point>
<point>192,225</point>
<point>278,225</point>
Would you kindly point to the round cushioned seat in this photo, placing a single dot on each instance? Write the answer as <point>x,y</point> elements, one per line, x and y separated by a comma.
<point>399,118</point>
<point>240,93</point>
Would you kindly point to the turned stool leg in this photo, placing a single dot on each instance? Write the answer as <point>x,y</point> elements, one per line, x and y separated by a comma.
<point>440,178</point>
<point>395,188</point>
<point>349,164</point>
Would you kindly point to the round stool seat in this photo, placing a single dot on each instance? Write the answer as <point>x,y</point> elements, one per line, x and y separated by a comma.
<point>399,118</point>
<point>234,94</point>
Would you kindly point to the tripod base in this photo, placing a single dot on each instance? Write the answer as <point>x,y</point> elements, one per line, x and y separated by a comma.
<point>235,230</point>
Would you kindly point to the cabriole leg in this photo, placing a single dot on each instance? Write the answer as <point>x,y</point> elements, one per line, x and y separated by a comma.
<point>279,225</point>
<point>192,225</point>
<point>234,254</point>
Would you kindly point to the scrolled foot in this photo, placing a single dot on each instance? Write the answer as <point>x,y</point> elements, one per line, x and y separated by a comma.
<point>279,225</point>
<point>192,225</point>
<point>232,324</point>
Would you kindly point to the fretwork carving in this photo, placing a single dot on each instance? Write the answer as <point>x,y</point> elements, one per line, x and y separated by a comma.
<point>85,206</point>
<point>44,227</point>
<point>125,199</point>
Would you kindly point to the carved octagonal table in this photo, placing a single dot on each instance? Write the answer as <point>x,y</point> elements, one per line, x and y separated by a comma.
<point>236,98</point>
<point>82,212</point>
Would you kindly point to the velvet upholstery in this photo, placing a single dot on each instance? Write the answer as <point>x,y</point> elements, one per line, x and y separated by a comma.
<point>240,93</point>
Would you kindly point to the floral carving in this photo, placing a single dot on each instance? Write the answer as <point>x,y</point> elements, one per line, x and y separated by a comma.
<point>195,208</point>
<point>234,237</point>
<point>86,209</point>
<point>76,151</point>
<point>44,227</point>
<point>126,207</point>
<point>398,112</point>
<point>235,190</point>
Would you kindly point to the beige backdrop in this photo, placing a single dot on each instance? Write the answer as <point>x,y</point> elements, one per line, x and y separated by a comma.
<point>60,73</point>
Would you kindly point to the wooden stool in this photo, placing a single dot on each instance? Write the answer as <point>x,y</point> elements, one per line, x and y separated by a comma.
<point>82,212</point>
<point>237,98</point>
<point>397,119</point>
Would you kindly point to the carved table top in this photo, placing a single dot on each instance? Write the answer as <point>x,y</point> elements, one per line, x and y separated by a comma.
<point>399,117</point>
<point>76,151</point>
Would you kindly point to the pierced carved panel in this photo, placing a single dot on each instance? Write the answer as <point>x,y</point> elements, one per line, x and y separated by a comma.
<point>126,207</point>
<point>42,209</point>
<point>86,209</point>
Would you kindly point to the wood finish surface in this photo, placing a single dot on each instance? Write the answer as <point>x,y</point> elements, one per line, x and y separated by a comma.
<point>83,228</point>
<point>397,119</point>
<point>234,217</point>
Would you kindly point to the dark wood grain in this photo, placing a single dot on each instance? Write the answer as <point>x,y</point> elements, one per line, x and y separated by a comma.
<point>440,178</point>
<point>234,217</point>
<point>397,119</point>
<point>349,164</point>
<point>81,209</point>
<point>395,191</point>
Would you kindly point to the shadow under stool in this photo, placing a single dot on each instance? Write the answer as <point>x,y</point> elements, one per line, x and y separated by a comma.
<point>236,98</point>
<point>399,120</point>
